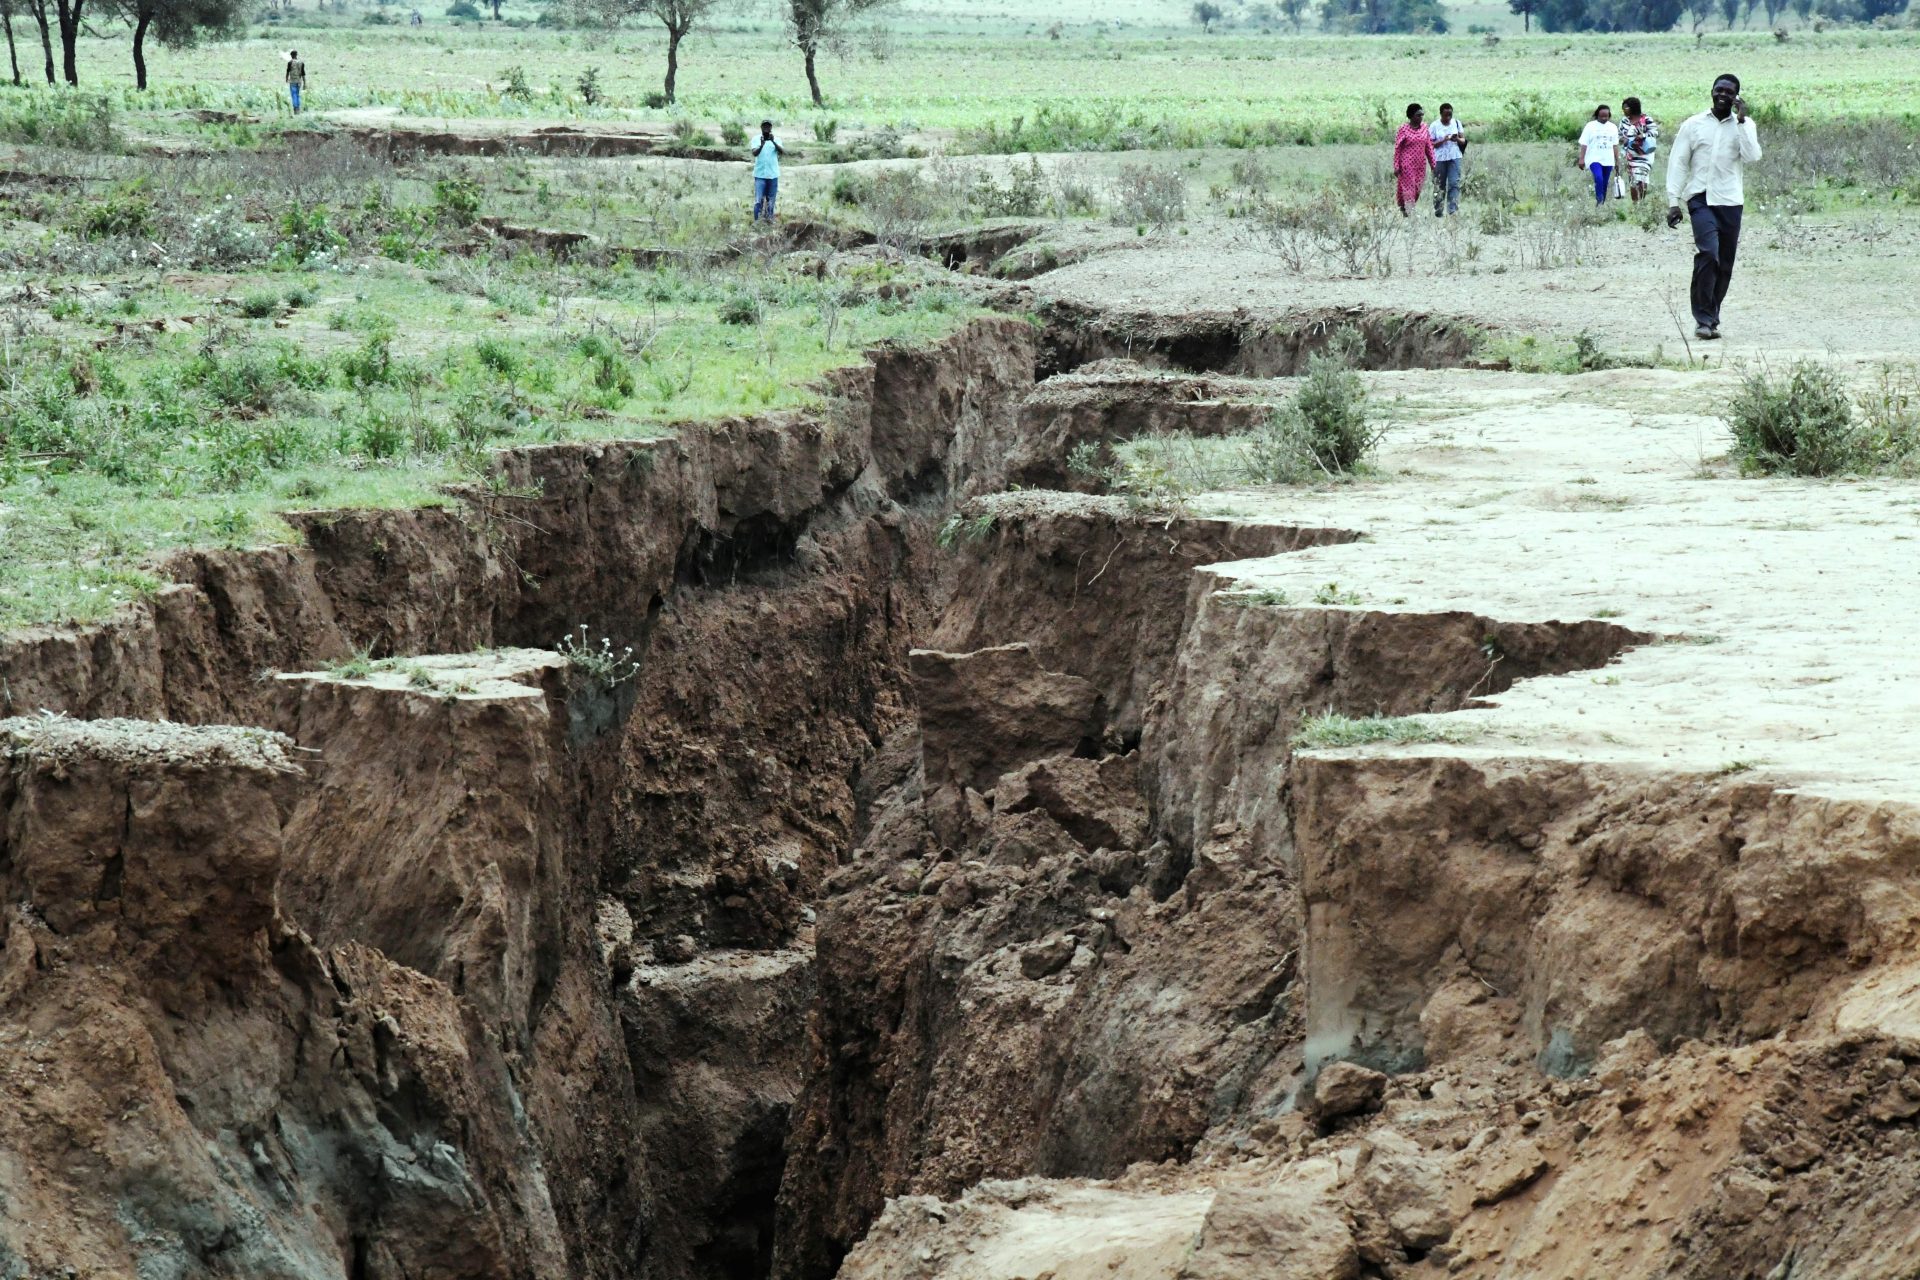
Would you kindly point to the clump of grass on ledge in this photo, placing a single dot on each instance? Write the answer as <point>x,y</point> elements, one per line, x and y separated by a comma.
<point>1335,730</point>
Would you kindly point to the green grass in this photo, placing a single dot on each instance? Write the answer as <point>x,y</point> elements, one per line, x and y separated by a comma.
<point>1157,83</point>
<point>205,437</point>
<point>1335,730</point>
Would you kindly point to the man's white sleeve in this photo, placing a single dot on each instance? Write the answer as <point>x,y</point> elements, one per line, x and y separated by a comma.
<point>1749,143</point>
<point>1680,163</point>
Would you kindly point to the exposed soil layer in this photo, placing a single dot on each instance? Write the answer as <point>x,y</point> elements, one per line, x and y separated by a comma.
<point>1246,344</point>
<point>565,915</point>
<point>924,896</point>
<point>1071,938</point>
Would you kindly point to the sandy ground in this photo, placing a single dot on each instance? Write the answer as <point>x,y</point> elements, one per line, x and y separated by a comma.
<point>1788,604</point>
<point>1841,283</point>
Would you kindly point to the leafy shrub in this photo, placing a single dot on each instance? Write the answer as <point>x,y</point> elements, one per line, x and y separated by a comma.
<point>1149,194</point>
<point>1799,422</point>
<point>463,11</point>
<point>740,307</point>
<point>306,234</point>
<point>848,188</point>
<point>456,201</point>
<point>688,134</point>
<point>371,363</point>
<point>517,87</point>
<point>1328,429</point>
<point>259,304</point>
<point>501,358</point>
<point>126,214</point>
<point>825,131</point>
<point>1024,195</point>
<point>734,133</point>
<point>588,86</point>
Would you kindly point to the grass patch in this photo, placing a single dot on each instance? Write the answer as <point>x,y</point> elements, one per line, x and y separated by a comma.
<point>1335,730</point>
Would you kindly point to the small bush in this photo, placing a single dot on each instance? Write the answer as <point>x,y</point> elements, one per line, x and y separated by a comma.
<point>1799,423</point>
<point>825,131</point>
<point>589,88</point>
<point>456,201</point>
<point>1328,429</point>
<point>463,11</point>
<point>734,133</point>
<point>517,86</point>
<point>687,134</point>
<point>848,188</point>
<point>740,307</point>
<point>259,304</point>
<point>306,234</point>
<point>1148,194</point>
<point>118,215</point>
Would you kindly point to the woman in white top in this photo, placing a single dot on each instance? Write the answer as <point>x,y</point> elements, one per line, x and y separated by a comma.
<point>1600,150</point>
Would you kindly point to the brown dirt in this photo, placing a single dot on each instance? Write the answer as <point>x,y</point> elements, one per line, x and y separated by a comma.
<point>971,910</point>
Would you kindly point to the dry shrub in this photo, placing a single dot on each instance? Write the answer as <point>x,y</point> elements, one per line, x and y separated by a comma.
<point>1149,195</point>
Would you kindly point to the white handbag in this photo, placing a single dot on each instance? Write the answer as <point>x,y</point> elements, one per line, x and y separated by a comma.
<point>1619,188</point>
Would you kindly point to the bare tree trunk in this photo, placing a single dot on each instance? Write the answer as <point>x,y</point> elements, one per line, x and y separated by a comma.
<point>46,40</point>
<point>68,12</point>
<point>13,54</point>
<point>140,47</point>
<point>813,80</point>
<point>673,60</point>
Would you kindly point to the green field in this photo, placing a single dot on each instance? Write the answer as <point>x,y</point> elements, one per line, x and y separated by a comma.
<point>205,327</point>
<point>1105,87</point>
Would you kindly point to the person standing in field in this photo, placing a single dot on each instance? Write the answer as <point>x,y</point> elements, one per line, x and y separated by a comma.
<point>296,78</point>
<point>1412,158</point>
<point>766,172</point>
<point>1600,150</point>
<point>1449,143</point>
<point>1706,174</point>
<point>1639,139</point>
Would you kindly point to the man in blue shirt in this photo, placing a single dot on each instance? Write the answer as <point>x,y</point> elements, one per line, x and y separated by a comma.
<point>1448,138</point>
<point>766,172</point>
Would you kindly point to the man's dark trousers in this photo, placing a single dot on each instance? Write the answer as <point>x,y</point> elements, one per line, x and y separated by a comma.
<point>1716,237</point>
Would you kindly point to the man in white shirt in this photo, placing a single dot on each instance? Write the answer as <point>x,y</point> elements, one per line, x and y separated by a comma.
<point>1448,138</point>
<point>1704,174</point>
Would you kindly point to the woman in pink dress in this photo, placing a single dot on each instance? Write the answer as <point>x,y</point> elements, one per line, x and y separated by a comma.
<point>1412,158</point>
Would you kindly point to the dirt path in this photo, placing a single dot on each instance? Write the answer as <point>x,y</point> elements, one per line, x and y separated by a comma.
<point>1818,285</point>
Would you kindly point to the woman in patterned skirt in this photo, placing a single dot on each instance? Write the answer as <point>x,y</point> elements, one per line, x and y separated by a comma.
<point>1639,139</point>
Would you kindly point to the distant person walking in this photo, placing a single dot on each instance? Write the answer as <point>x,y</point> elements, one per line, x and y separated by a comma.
<point>1412,158</point>
<point>1600,150</point>
<point>1706,175</point>
<point>1449,150</point>
<point>296,78</point>
<point>1639,139</point>
<point>766,172</point>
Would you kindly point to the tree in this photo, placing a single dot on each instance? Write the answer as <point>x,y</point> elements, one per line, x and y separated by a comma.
<point>1804,8</point>
<point>678,16</point>
<point>1206,13</point>
<point>13,54</point>
<point>816,24</point>
<point>1377,17</point>
<point>1525,9</point>
<point>1699,11</point>
<point>1730,11</point>
<point>1296,12</point>
<point>1636,15</point>
<point>1566,15</point>
<point>39,9</point>
<point>177,24</point>
<point>67,14</point>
